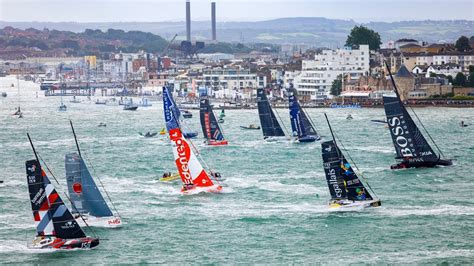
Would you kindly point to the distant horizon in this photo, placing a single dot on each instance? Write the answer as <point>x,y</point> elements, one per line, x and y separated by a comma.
<point>230,21</point>
<point>110,11</point>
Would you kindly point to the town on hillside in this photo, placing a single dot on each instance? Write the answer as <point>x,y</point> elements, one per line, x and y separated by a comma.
<point>116,62</point>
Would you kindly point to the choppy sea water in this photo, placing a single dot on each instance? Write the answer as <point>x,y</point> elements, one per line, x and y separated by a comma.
<point>275,206</point>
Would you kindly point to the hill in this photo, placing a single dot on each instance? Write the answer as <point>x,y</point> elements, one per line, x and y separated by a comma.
<point>316,31</point>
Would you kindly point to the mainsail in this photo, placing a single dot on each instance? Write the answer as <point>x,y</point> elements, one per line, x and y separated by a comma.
<point>52,217</point>
<point>300,124</point>
<point>82,189</point>
<point>270,125</point>
<point>407,139</point>
<point>189,167</point>
<point>209,124</point>
<point>169,105</point>
<point>342,181</point>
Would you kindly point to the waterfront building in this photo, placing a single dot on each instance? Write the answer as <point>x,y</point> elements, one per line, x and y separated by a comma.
<point>231,82</point>
<point>316,77</point>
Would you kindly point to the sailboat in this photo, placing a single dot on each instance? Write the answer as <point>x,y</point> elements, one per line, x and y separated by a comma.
<point>169,104</point>
<point>18,112</point>
<point>270,126</point>
<point>303,130</point>
<point>62,107</point>
<point>74,100</point>
<point>194,177</point>
<point>221,116</point>
<point>346,189</point>
<point>85,196</point>
<point>410,145</point>
<point>210,127</point>
<point>56,228</point>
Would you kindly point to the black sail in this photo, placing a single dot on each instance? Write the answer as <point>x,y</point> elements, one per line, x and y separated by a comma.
<point>407,139</point>
<point>332,169</point>
<point>52,217</point>
<point>342,180</point>
<point>268,120</point>
<point>210,127</point>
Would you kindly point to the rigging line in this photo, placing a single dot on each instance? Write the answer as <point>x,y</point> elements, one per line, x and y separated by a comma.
<point>281,121</point>
<point>67,196</point>
<point>428,133</point>
<point>355,165</point>
<point>310,120</point>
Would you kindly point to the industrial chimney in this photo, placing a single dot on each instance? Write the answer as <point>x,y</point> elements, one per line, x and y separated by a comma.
<point>188,21</point>
<point>213,20</point>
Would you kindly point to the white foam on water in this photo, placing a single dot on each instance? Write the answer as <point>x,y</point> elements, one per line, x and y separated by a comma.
<point>439,210</point>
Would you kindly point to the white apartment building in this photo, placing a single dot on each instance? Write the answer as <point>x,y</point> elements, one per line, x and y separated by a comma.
<point>231,82</point>
<point>317,76</point>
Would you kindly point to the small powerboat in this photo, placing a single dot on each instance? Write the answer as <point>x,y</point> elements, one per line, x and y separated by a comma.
<point>251,126</point>
<point>187,114</point>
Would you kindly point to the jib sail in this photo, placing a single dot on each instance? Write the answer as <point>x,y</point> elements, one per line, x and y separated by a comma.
<point>300,124</point>
<point>407,139</point>
<point>82,189</point>
<point>342,181</point>
<point>270,125</point>
<point>52,217</point>
<point>210,127</point>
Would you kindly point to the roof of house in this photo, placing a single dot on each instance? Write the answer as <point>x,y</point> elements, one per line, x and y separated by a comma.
<point>403,72</point>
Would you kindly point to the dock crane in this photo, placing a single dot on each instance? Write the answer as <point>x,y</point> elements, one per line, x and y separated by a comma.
<point>165,51</point>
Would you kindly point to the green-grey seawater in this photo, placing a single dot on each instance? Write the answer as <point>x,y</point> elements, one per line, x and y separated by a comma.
<point>274,209</point>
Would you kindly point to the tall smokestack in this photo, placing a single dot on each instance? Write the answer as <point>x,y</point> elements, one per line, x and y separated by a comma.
<point>213,20</point>
<point>188,20</point>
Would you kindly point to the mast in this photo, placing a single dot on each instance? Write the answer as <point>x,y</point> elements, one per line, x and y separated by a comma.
<point>75,139</point>
<point>18,85</point>
<point>332,134</point>
<point>33,147</point>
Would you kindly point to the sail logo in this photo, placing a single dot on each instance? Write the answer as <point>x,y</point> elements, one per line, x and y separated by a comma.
<point>68,225</point>
<point>401,138</point>
<point>32,169</point>
<point>183,153</point>
<point>39,197</point>
<point>333,181</point>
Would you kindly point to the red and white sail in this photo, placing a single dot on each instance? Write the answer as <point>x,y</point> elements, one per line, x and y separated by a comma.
<point>189,167</point>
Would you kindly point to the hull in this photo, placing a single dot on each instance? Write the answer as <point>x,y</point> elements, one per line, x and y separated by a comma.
<point>133,108</point>
<point>405,164</point>
<point>190,135</point>
<point>171,178</point>
<point>217,142</point>
<point>59,243</point>
<point>309,139</point>
<point>107,222</point>
<point>353,205</point>
<point>188,115</point>
<point>198,190</point>
<point>276,139</point>
<point>244,127</point>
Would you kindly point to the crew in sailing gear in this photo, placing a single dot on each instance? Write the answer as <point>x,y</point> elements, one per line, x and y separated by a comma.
<point>187,187</point>
<point>360,194</point>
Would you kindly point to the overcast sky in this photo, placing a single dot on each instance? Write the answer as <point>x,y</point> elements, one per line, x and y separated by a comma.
<point>233,10</point>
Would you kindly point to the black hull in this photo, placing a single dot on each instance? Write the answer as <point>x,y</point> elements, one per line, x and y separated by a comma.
<point>406,164</point>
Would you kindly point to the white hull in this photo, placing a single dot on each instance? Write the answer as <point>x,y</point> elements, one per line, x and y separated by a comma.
<point>277,139</point>
<point>353,205</point>
<point>108,222</point>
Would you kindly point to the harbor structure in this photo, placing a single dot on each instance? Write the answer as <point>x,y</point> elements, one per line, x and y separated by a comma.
<point>317,75</point>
